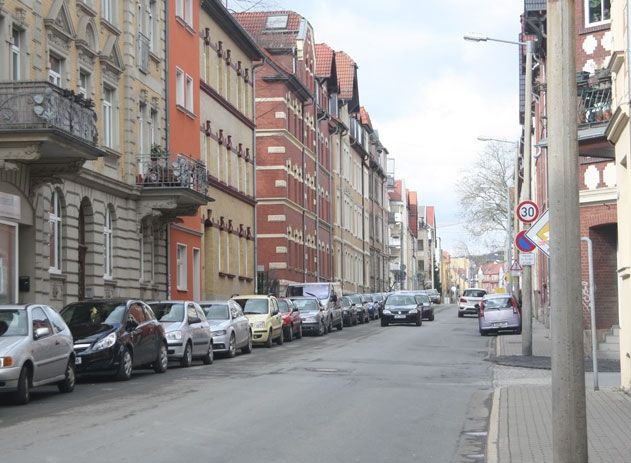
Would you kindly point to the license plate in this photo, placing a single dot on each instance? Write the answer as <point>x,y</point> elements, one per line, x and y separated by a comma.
<point>399,316</point>
<point>77,360</point>
<point>500,325</point>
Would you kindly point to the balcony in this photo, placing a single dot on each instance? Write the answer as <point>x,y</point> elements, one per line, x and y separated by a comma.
<point>49,128</point>
<point>173,186</point>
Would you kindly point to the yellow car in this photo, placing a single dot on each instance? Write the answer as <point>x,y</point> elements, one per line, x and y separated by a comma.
<point>264,316</point>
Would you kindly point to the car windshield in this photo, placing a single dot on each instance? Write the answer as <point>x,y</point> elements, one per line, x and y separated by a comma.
<point>346,302</point>
<point>474,293</point>
<point>94,313</point>
<point>216,311</point>
<point>13,322</point>
<point>355,298</point>
<point>253,306</point>
<point>306,305</point>
<point>366,298</point>
<point>319,290</point>
<point>498,303</point>
<point>169,311</point>
<point>400,299</point>
<point>283,306</point>
<point>422,298</point>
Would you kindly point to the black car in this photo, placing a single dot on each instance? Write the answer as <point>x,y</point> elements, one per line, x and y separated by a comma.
<point>401,308</point>
<point>427,306</point>
<point>114,336</point>
<point>362,310</point>
<point>349,312</point>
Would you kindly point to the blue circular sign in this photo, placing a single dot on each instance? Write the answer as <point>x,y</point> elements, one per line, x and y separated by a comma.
<point>523,243</point>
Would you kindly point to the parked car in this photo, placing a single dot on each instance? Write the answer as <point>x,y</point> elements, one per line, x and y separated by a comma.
<point>379,299</point>
<point>469,302</point>
<point>312,314</point>
<point>328,294</point>
<point>426,305</point>
<point>499,312</point>
<point>264,317</point>
<point>401,308</point>
<point>35,349</point>
<point>114,336</point>
<point>349,311</point>
<point>187,331</point>
<point>292,321</point>
<point>434,295</point>
<point>230,328</point>
<point>362,310</point>
<point>373,309</point>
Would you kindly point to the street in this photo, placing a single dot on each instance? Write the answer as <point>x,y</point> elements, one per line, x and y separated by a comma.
<point>368,393</point>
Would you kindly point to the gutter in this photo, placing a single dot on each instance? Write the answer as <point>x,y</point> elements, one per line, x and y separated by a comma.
<point>254,156</point>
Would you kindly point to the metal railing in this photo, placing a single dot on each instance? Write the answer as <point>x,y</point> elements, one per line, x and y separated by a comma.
<point>180,172</point>
<point>27,105</point>
<point>594,105</point>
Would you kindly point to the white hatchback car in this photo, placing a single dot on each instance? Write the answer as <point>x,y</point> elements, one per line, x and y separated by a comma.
<point>36,349</point>
<point>470,301</point>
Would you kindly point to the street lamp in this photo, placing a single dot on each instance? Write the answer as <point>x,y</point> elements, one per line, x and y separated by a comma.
<point>526,339</point>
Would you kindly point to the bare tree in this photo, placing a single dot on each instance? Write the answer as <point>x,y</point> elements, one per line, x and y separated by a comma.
<point>252,5</point>
<point>483,190</point>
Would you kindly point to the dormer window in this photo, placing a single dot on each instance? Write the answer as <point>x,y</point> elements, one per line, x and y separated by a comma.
<point>279,21</point>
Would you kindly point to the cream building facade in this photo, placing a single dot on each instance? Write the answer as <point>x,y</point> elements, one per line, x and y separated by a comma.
<point>84,203</point>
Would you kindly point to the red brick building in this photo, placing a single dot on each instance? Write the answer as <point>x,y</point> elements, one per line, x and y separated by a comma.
<point>597,174</point>
<point>293,213</point>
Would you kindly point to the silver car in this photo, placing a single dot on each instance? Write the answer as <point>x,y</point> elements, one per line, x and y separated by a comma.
<point>499,312</point>
<point>187,331</point>
<point>36,348</point>
<point>313,315</point>
<point>230,328</point>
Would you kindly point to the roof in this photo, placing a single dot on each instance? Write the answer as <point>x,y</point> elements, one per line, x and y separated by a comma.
<point>324,60</point>
<point>346,72</point>
<point>492,268</point>
<point>364,117</point>
<point>272,33</point>
<point>412,198</point>
<point>395,195</point>
<point>430,217</point>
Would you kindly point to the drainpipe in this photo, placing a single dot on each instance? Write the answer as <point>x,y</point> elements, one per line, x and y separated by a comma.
<point>166,136</point>
<point>302,194</point>
<point>254,231</point>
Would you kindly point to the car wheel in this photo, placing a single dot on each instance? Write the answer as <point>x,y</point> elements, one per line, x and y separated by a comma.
<point>460,315</point>
<point>281,339</point>
<point>210,355</point>
<point>329,327</point>
<point>321,329</point>
<point>268,343</point>
<point>483,333</point>
<point>419,322</point>
<point>22,395</point>
<point>431,318</point>
<point>518,331</point>
<point>340,325</point>
<point>126,366</point>
<point>162,362</point>
<point>299,333</point>
<point>384,322</point>
<point>232,346</point>
<point>290,335</point>
<point>67,384</point>
<point>248,347</point>
<point>187,358</point>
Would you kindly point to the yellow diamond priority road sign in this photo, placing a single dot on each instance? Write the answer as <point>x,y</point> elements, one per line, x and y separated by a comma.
<point>539,233</point>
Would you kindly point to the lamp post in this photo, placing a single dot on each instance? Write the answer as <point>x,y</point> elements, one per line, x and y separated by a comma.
<point>526,337</point>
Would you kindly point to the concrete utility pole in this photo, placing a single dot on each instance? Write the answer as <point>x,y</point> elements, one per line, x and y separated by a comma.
<point>526,283</point>
<point>569,423</point>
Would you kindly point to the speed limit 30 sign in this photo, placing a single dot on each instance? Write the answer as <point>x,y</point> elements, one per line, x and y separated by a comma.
<point>527,211</point>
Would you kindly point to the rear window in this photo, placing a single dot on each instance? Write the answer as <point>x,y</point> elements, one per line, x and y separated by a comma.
<point>498,303</point>
<point>474,293</point>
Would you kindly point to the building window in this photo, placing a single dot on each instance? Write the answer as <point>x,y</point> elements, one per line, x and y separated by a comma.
<point>153,128</point>
<point>142,149</point>
<point>179,87</point>
<point>54,70</point>
<point>54,233</point>
<point>16,65</point>
<point>189,93</point>
<point>153,26</point>
<point>108,117</point>
<point>179,8</point>
<point>84,83</point>
<point>107,10</point>
<point>597,12</point>
<point>108,255</point>
<point>188,12</point>
<point>181,265</point>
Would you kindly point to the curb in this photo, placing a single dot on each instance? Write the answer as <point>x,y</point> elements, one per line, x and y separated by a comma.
<point>492,439</point>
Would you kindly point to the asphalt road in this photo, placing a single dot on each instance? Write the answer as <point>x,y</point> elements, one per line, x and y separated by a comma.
<point>366,394</point>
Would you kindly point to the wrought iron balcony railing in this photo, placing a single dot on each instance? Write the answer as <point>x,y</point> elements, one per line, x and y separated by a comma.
<point>33,105</point>
<point>594,105</point>
<point>166,173</point>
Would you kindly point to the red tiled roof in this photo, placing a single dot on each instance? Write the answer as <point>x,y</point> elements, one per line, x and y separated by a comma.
<point>412,198</point>
<point>346,69</point>
<point>430,218</point>
<point>492,268</point>
<point>255,22</point>
<point>364,117</point>
<point>324,60</point>
<point>395,195</point>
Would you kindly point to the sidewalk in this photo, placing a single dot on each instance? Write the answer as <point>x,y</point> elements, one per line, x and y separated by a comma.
<point>520,425</point>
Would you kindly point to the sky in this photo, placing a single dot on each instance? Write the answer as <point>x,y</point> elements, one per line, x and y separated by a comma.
<point>430,93</point>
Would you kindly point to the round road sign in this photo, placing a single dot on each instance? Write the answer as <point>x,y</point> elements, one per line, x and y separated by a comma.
<point>527,211</point>
<point>523,243</point>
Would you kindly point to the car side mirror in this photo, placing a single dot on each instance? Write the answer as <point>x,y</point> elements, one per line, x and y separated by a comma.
<point>41,332</point>
<point>131,325</point>
<point>334,298</point>
<point>295,309</point>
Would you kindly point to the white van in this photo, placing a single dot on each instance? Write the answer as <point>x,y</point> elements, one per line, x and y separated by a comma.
<point>329,295</point>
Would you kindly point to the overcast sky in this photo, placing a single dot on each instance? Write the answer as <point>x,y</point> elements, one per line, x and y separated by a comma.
<point>429,93</point>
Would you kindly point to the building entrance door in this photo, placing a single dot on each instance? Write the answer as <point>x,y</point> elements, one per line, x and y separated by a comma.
<point>8,263</point>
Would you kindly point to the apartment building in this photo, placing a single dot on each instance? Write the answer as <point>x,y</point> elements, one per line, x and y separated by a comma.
<point>228,58</point>
<point>84,213</point>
